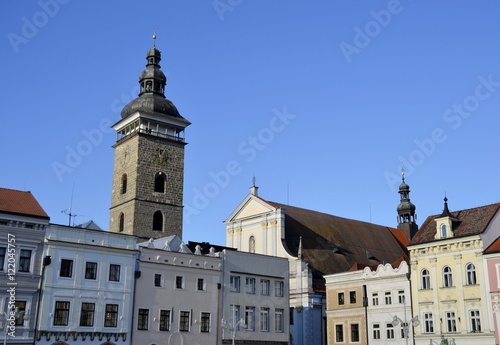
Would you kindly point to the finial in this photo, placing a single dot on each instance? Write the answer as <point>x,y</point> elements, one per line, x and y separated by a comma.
<point>154,37</point>
<point>402,171</point>
<point>253,181</point>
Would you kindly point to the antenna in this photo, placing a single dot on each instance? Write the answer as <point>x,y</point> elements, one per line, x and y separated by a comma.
<point>68,210</point>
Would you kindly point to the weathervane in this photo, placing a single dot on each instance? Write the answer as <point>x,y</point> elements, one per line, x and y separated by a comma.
<point>154,37</point>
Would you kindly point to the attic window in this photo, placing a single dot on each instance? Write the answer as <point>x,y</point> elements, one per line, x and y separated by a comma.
<point>443,230</point>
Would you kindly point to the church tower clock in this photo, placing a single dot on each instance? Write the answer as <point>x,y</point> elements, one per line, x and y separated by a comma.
<point>148,174</point>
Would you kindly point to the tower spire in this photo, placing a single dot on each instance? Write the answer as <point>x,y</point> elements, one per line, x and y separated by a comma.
<point>154,38</point>
<point>406,210</point>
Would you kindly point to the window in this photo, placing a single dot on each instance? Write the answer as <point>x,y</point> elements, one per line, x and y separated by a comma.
<point>66,270</point>
<point>278,321</point>
<point>160,179</point>
<point>205,322</point>
<point>164,320</point>
<point>279,288</point>
<point>251,245</point>
<point>2,257</point>
<point>475,321</point>
<point>111,316</point>
<point>122,222</point>
<point>179,282</point>
<point>447,277</point>
<point>291,316</point>
<point>114,273</point>
<point>428,323</point>
<point>264,287</point>
<point>425,279</point>
<point>340,297</point>
<point>158,221</point>
<point>354,332</point>
<point>375,299</point>
<point>235,283</point>
<point>91,270</point>
<point>376,331</point>
<point>158,279</point>
<point>404,326</point>
<point>470,273</point>
<point>250,285</point>
<point>390,331</point>
<point>352,297</point>
<point>250,318</point>
<point>264,319</point>
<point>61,313</point>
<point>339,333</point>
<point>24,260</point>
<point>87,315</point>
<point>20,307</point>
<point>124,184</point>
<point>401,296</point>
<point>388,298</point>
<point>451,325</point>
<point>443,230</point>
<point>201,284</point>
<point>184,321</point>
<point>142,320</point>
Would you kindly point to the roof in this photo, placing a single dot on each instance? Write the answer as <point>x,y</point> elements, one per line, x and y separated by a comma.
<point>332,244</point>
<point>494,247</point>
<point>20,203</point>
<point>469,222</point>
<point>90,225</point>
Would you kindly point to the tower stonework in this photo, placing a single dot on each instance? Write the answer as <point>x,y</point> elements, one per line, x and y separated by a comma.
<point>148,174</point>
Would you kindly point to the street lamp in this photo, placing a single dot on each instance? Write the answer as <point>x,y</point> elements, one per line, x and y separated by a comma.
<point>233,327</point>
<point>4,317</point>
<point>406,325</point>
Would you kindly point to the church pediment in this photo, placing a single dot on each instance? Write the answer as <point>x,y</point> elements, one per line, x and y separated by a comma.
<point>250,207</point>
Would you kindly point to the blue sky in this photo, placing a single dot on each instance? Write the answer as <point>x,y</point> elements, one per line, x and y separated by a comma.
<point>320,101</point>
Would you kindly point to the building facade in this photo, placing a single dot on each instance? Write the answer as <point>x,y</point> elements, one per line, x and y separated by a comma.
<point>148,174</point>
<point>449,288</point>
<point>87,288</point>
<point>492,270</point>
<point>22,229</point>
<point>177,295</point>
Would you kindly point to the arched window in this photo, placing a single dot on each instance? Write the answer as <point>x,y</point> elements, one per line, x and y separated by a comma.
<point>121,222</point>
<point>443,230</point>
<point>124,183</point>
<point>160,179</point>
<point>447,277</point>
<point>425,279</point>
<point>158,221</point>
<point>251,244</point>
<point>470,273</point>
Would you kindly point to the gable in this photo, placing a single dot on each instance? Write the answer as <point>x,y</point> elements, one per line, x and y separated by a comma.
<point>250,207</point>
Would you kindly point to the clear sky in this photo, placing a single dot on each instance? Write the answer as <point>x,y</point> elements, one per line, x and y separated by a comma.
<point>321,101</point>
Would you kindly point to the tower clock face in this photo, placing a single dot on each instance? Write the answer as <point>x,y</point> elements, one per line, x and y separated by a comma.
<point>160,155</point>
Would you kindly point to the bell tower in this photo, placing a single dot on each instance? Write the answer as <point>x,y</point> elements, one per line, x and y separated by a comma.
<point>148,174</point>
<point>406,210</point>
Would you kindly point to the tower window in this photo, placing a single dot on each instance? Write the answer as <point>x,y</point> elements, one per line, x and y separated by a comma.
<point>443,230</point>
<point>160,179</point>
<point>122,222</point>
<point>124,183</point>
<point>158,221</point>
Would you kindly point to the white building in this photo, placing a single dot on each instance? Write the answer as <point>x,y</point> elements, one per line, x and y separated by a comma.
<point>177,294</point>
<point>88,287</point>
<point>22,230</point>
<point>255,299</point>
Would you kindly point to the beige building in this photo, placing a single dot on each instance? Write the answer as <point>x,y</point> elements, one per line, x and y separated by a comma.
<point>449,289</point>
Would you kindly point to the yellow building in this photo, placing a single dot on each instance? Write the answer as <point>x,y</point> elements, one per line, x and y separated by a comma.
<point>449,291</point>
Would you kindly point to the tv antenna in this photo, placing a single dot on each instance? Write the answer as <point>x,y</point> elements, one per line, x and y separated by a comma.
<point>68,210</point>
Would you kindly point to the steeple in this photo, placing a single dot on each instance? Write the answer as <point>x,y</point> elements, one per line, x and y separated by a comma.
<point>406,210</point>
<point>148,175</point>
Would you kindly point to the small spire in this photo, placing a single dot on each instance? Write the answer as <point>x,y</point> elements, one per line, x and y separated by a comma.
<point>299,255</point>
<point>154,37</point>
<point>253,181</point>
<point>403,172</point>
<point>254,190</point>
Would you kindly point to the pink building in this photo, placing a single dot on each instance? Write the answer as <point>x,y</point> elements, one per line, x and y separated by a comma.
<point>492,257</point>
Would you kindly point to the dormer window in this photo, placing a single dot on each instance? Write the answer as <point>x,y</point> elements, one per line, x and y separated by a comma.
<point>443,230</point>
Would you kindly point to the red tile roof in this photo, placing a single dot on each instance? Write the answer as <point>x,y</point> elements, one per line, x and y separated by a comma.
<point>473,221</point>
<point>334,244</point>
<point>19,202</point>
